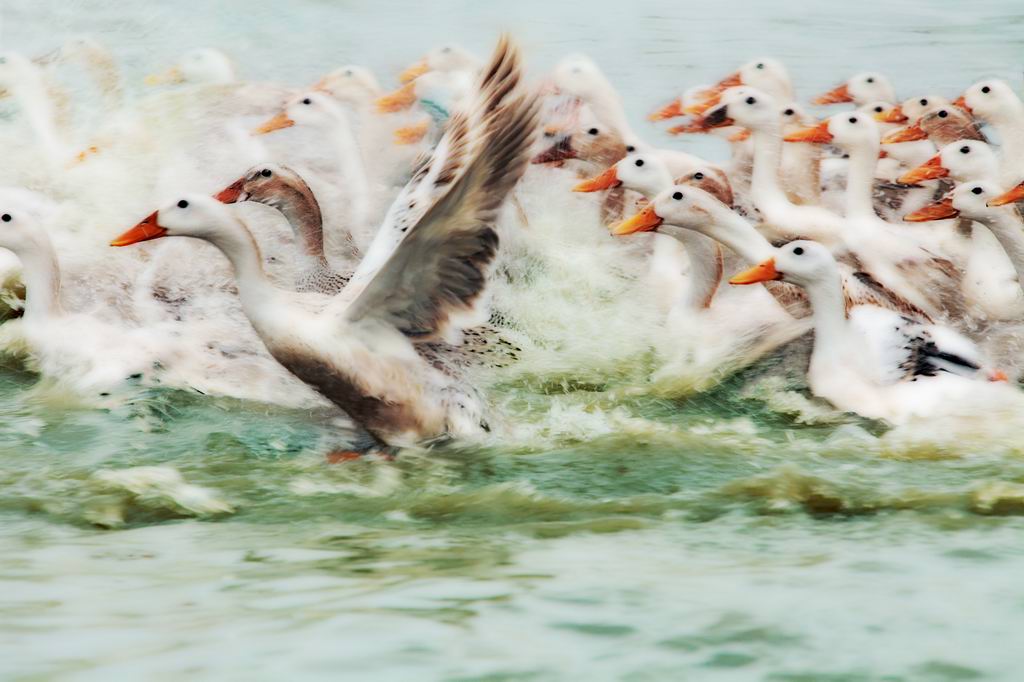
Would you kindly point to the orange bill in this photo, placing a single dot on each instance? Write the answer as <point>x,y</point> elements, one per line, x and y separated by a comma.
<point>962,103</point>
<point>942,210</point>
<point>762,272</point>
<point>894,115</point>
<point>835,96</point>
<point>697,125</point>
<point>1014,195</point>
<point>908,134</point>
<point>644,221</point>
<point>413,72</point>
<point>277,122</point>
<point>819,134</point>
<point>932,169</point>
<point>412,134</point>
<point>230,194</point>
<point>712,96</point>
<point>144,231</point>
<point>606,180</point>
<point>399,100</point>
<point>670,110</point>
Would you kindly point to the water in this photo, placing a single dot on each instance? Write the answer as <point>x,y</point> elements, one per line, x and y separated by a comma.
<point>619,533</point>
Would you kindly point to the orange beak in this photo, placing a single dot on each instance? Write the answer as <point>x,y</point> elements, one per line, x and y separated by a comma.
<point>411,134</point>
<point>908,134</point>
<point>144,231</point>
<point>741,135</point>
<point>279,121</point>
<point>932,169</point>
<point>399,100</point>
<point>413,72</point>
<point>670,110</point>
<point>894,115</point>
<point>644,221</point>
<point>819,134</point>
<point>606,180</point>
<point>962,103</point>
<point>697,125</point>
<point>229,194</point>
<point>943,210</point>
<point>1014,195</point>
<point>762,272</point>
<point>835,96</point>
<point>712,96</point>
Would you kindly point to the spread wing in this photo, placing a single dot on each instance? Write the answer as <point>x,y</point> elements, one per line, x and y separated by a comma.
<point>439,269</point>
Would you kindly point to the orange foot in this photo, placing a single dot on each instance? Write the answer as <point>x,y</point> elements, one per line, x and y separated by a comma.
<point>339,456</point>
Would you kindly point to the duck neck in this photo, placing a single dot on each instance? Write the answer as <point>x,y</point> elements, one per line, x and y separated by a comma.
<point>1009,232</point>
<point>651,187</point>
<point>735,233</point>
<point>238,245</point>
<point>1011,130</point>
<point>41,274</point>
<point>829,314</point>
<point>764,184</point>
<point>302,211</point>
<point>353,173</point>
<point>706,265</point>
<point>39,112</point>
<point>860,178</point>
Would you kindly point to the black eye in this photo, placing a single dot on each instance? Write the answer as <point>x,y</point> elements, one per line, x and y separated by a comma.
<point>307,101</point>
<point>592,131</point>
<point>182,204</point>
<point>789,112</point>
<point>698,176</point>
<point>630,148</point>
<point>871,80</point>
<point>759,66</point>
<point>924,103</point>
<point>853,119</point>
<point>986,89</point>
<point>677,196</point>
<point>943,114</point>
<point>266,172</point>
<point>976,190</point>
<point>6,217</point>
<point>798,251</point>
<point>751,100</point>
<point>965,150</point>
<point>348,72</point>
<point>639,162</point>
<point>878,109</point>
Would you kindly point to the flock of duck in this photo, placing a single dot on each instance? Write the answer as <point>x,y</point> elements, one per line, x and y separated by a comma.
<point>890,228</point>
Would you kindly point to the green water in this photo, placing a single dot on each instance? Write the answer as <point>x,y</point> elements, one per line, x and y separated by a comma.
<point>615,535</point>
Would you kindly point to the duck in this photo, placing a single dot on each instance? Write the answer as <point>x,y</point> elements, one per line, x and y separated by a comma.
<point>872,361</point>
<point>358,349</point>
<point>444,58</point>
<point>945,125</point>
<point>962,160</point>
<point>201,66</point>
<point>763,73</point>
<point>995,102</point>
<point>860,89</point>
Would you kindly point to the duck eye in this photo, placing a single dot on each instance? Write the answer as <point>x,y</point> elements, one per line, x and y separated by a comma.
<point>639,162</point>
<point>751,100</point>
<point>871,80</point>
<point>759,65</point>
<point>348,72</point>
<point>986,89</point>
<point>266,172</point>
<point>924,102</point>
<point>965,150</point>
<point>6,217</point>
<point>182,204</point>
<point>853,119</point>
<point>592,131</point>
<point>698,176</point>
<point>789,112</point>
<point>878,109</point>
<point>307,101</point>
<point>943,114</point>
<point>976,190</point>
<point>678,196</point>
<point>630,148</point>
<point>798,251</point>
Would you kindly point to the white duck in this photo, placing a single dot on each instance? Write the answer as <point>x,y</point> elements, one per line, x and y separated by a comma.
<point>359,349</point>
<point>872,361</point>
<point>994,102</point>
<point>860,89</point>
<point>202,66</point>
